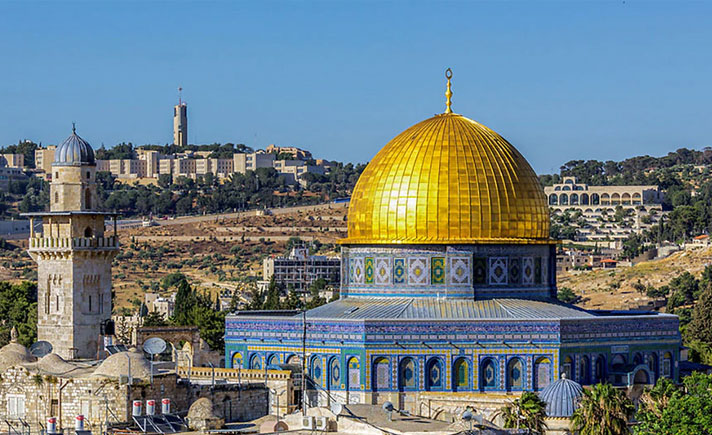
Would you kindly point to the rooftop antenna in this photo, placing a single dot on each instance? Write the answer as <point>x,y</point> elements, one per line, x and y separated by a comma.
<point>180,96</point>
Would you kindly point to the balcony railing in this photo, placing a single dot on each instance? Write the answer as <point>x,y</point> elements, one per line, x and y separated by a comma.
<point>74,242</point>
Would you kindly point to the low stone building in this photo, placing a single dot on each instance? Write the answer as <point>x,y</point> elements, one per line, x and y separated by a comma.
<point>33,390</point>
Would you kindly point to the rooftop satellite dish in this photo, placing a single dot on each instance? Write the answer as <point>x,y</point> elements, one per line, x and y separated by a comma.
<point>336,408</point>
<point>154,346</point>
<point>40,349</point>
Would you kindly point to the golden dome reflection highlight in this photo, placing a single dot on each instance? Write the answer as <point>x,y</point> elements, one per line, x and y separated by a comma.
<point>448,180</point>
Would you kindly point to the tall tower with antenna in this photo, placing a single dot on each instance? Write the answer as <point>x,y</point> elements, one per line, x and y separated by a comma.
<point>180,121</point>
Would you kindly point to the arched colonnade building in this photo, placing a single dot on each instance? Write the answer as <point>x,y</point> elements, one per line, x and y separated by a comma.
<point>571,194</point>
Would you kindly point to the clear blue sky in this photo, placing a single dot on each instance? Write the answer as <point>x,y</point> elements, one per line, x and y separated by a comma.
<point>561,81</point>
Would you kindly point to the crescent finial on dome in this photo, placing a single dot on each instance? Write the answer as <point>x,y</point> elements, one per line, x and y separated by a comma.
<point>448,93</point>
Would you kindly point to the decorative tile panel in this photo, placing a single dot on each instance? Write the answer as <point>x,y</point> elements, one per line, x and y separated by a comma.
<point>369,270</point>
<point>357,266</point>
<point>437,270</point>
<point>418,272</point>
<point>460,271</point>
<point>383,271</point>
<point>527,270</point>
<point>498,270</point>
<point>399,271</point>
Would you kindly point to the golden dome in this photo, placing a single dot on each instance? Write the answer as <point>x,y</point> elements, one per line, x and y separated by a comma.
<point>448,180</point>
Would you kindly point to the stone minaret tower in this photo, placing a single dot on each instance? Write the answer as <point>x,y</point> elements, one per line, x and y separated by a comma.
<point>73,255</point>
<point>180,121</point>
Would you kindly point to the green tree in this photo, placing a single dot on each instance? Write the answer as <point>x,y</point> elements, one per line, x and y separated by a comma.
<point>186,299</point>
<point>700,327</point>
<point>274,292</point>
<point>670,410</point>
<point>567,295</point>
<point>603,410</point>
<point>527,412</point>
<point>154,318</point>
<point>172,280</point>
<point>193,309</point>
<point>18,308</point>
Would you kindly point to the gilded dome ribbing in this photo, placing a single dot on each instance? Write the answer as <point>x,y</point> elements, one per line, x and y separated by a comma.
<point>448,180</point>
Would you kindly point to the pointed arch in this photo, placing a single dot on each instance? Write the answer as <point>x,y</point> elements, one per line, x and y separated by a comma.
<point>381,371</point>
<point>515,374</point>
<point>407,374</point>
<point>460,374</point>
<point>435,378</point>
<point>542,373</point>
<point>489,374</point>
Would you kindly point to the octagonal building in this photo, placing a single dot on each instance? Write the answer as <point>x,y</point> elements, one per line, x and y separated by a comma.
<point>448,289</point>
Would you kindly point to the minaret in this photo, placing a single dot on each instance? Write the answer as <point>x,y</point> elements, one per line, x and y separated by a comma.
<point>180,121</point>
<point>73,256</point>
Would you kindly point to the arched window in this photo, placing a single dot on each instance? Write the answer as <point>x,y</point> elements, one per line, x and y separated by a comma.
<point>584,371</point>
<point>566,188</point>
<point>625,199</point>
<point>595,199</point>
<point>542,373</point>
<point>434,379</point>
<point>381,374</point>
<point>564,199</point>
<point>334,373</point>
<point>316,369</point>
<point>599,372</point>
<point>618,362</point>
<point>237,360</point>
<point>584,199</point>
<point>605,199</point>
<point>667,365</point>
<point>460,374</point>
<point>651,359</point>
<point>557,188</point>
<point>87,199</point>
<point>637,359</point>
<point>515,374</point>
<point>568,367</point>
<point>553,199</point>
<point>272,360</point>
<point>407,374</point>
<point>574,199</point>
<point>488,374</point>
<point>354,379</point>
<point>87,232</point>
<point>615,199</point>
<point>255,362</point>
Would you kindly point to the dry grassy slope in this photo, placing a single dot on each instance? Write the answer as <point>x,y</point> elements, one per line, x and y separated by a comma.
<point>598,287</point>
<point>199,241</point>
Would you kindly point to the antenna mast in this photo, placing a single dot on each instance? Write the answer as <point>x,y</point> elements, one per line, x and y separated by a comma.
<point>180,96</point>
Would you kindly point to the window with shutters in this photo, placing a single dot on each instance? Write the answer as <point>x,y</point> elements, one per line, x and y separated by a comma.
<point>15,406</point>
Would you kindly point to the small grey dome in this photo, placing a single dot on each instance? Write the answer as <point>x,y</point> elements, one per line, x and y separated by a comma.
<point>561,397</point>
<point>74,151</point>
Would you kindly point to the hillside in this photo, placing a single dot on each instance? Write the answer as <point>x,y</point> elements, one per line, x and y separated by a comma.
<point>614,289</point>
